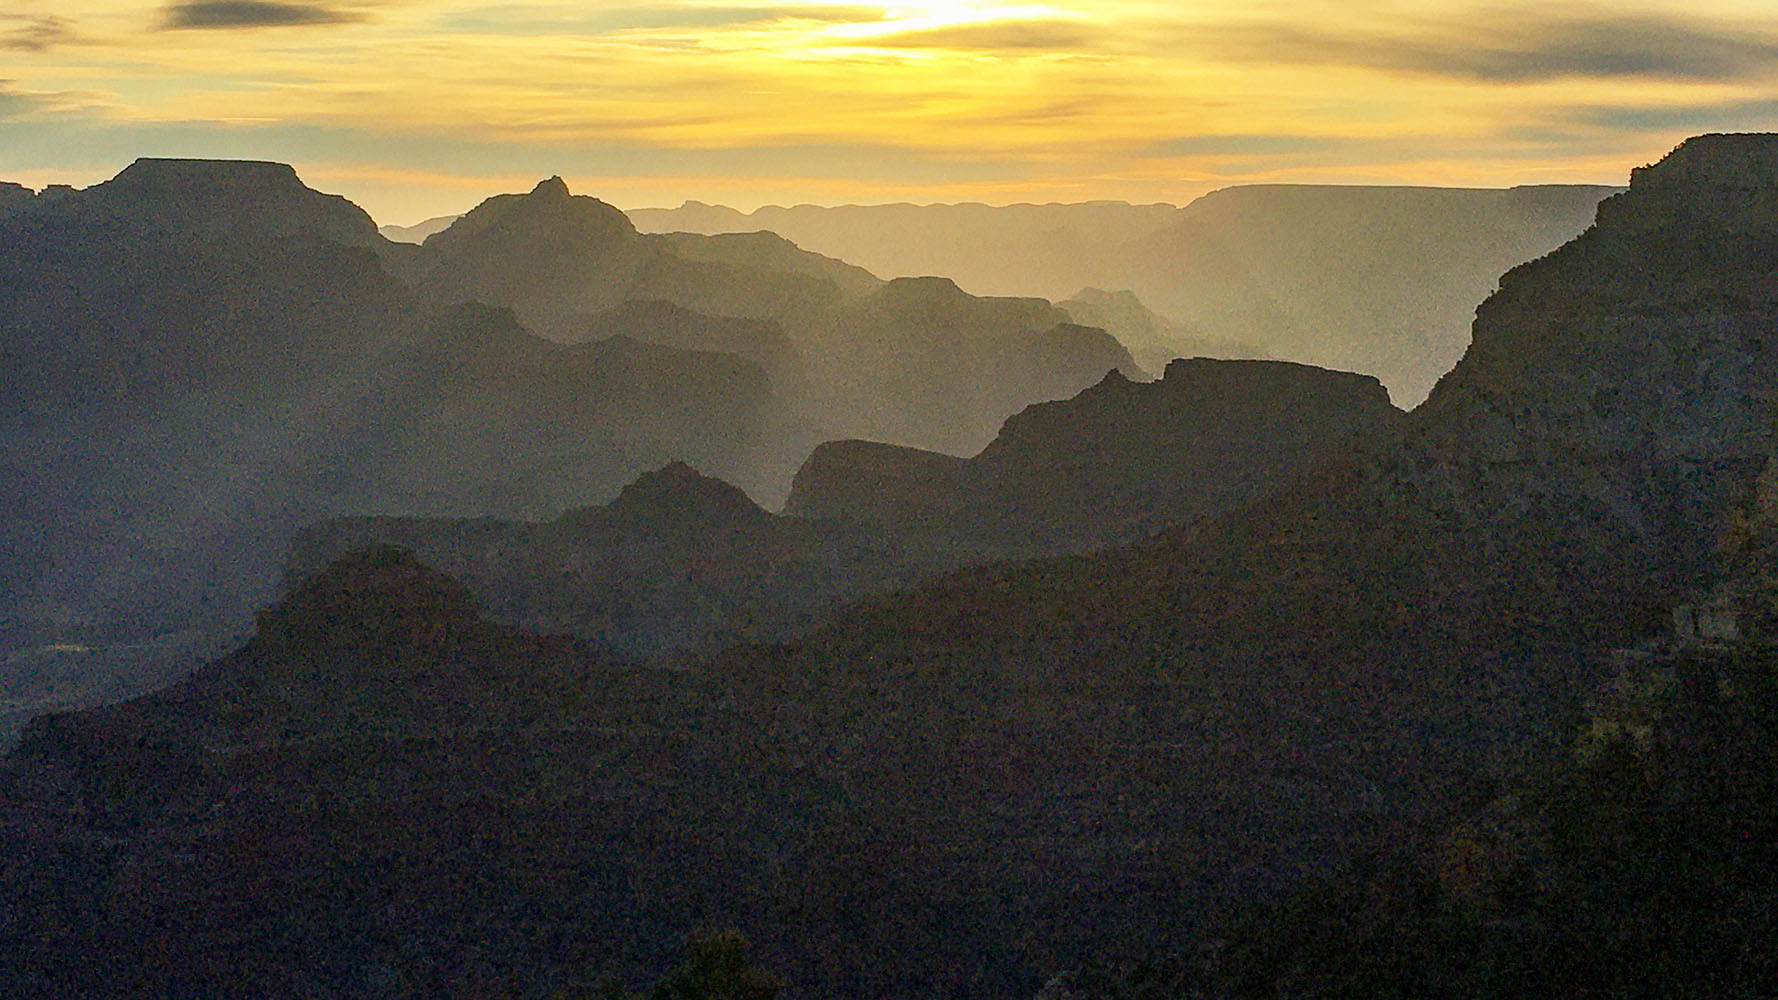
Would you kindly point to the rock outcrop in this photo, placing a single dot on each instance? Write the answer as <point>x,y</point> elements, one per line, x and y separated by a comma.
<point>1119,461</point>
<point>872,483</point>
<point>1633,372</point>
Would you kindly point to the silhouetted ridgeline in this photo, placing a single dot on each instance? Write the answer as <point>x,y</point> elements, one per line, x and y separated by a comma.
<point>1377,280</point>
<point>919,362</point>
<point>961,788</point>
<point>1018,250</point>
<point>681,561</point>
<point>1116,463</point>
<point>203,355</point>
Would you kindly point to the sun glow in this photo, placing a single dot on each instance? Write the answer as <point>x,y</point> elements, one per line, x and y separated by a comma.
<point>918,99</point>
<point>905,18</point>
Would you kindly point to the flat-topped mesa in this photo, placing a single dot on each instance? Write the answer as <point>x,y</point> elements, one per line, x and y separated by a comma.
<point>173,174</point>
<point>1203,396</point>
<point>1120,460</point>
<point>870,482</point>
<point>1273,383</point>
<point>242,199</point>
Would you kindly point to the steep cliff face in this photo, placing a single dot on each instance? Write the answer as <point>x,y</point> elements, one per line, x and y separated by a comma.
<point>1633,370</point>
<point>870,482</point>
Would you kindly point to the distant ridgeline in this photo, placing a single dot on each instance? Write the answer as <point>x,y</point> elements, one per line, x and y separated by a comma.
<point>1380,280</point>
<point>1359,628</point>
<point>682,561</point>
<point>202,356</point>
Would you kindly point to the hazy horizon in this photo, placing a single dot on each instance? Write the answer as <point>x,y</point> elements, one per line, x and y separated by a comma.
<point>581,188</point>
<point>421,108</point>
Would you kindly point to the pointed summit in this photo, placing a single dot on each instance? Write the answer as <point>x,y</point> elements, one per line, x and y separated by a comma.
<point>679,493</point>
<point>553,187</point>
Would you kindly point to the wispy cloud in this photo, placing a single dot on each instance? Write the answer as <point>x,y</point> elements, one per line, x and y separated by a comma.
<point>254,14</point>
<point>33,32</point>
<point>533,19</point>
<point>1048,34</point>
<point>1516,47</point>
<point>1690,118</point>
<point>1240,145</point>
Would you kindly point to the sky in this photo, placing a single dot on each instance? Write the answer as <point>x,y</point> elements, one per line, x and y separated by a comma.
<point>416,108</point>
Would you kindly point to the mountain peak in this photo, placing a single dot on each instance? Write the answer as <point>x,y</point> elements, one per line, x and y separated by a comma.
<point>551,187</point>
<point>362,592</point>
<point>248,199</point>
<point>679,492</point>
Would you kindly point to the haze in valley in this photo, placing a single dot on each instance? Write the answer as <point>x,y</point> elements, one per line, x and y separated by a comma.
<point>1061,501</point>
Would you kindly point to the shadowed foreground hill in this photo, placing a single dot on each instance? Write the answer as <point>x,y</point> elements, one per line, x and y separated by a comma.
<point>382,795</point>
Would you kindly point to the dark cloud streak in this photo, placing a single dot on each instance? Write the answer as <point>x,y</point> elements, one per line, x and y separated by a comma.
<point>253,14</point>
<point>1515,49</point>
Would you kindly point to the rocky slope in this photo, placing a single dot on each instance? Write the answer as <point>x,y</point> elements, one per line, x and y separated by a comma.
<point>1118,462</point>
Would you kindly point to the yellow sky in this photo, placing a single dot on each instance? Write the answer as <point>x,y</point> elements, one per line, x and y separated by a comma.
<point>420,107</point>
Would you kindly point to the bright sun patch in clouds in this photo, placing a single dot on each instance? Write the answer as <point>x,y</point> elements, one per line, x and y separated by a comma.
<point>411,103</point>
